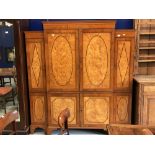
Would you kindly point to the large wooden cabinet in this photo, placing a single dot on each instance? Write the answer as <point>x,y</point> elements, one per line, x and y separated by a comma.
<point>88,69</point>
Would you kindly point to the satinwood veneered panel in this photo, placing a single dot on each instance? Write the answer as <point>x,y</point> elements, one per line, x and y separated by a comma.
<point>95,109</point>
<point>124,49</point>
<point>57,103</point>
<point>37,103</point>
<point>123,63</point>
<point>61,60</point>
<point>122,106</point>
<point>35,61</point>
<point>96,60</point>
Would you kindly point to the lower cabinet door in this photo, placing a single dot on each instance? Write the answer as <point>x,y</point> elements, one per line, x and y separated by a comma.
<point>148,110</point>
<point>57,103</point>
<point>122,108</point>
<point>95,109</point>
<point>38,110</point>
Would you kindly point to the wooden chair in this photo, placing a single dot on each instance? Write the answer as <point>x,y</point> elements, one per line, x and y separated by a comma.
<point>1,82</point>
<point>8,118</point>
<point>5,92</point>
<point>6,74</point>
<point>14,90</point>
<point>63,121</point>
<point>8,82</point>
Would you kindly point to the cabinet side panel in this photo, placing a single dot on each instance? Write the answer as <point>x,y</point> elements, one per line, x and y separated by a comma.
<point>123,63</point>
<point>151,111</point>
<point>35,63</point>
<point>124,60</point>
<point>148,110</point>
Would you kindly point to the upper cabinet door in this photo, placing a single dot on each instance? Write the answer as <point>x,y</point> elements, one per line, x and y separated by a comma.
<point>96,55</point>
<point>61,60</point>
<point>124,50</point>
<point>35,61</point>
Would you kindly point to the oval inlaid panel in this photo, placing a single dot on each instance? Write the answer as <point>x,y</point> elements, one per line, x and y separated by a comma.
<point>96,110</point>
<point>96,60</point>
<point>62,60</point>
<point>59,104</point>
<point>39,108</point>
<point>122,109</point>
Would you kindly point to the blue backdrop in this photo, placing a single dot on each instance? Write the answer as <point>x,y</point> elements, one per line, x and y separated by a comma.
<point>7,36</point>
<point>6,42</point>
<point>36,24</point>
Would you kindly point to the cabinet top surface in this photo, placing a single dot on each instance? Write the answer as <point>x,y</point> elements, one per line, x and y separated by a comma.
<point>145,78</point>
<point>80,24</point>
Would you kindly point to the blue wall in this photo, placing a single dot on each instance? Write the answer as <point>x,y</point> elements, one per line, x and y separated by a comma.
<point>7,39</point>
<point>36,24</point>
<point>124,24</point>
<point>6,42</point>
